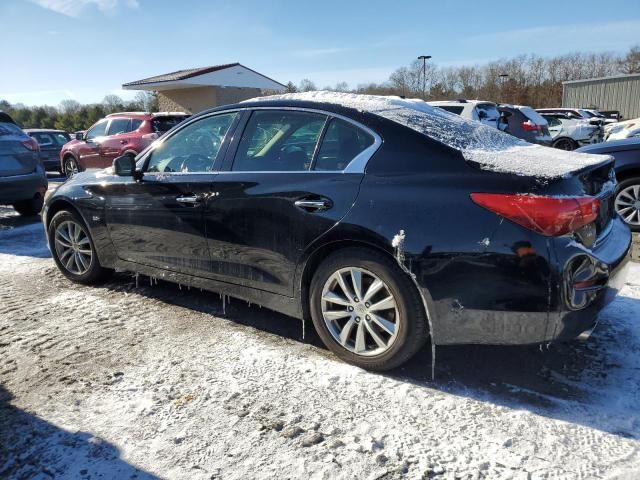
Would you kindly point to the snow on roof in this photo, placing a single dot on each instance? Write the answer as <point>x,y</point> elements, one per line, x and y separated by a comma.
<point>490,148</point>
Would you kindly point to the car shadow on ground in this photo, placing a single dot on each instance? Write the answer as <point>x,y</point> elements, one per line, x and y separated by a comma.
<point>585,383</point>
<point>33,448</point>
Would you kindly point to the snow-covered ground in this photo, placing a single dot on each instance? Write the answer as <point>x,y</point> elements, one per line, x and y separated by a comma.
<point>124,382</point>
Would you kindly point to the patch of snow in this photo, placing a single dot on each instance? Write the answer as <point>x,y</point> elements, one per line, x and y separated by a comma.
<point>490,148</point>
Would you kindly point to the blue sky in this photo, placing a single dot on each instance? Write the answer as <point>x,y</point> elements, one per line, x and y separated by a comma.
<point>85,49</point>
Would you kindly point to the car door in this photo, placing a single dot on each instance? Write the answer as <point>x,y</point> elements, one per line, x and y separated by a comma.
<point>288,179</point>
<point>89,149</point>
<point>112,144</point>
<point>555,125</point>
<point>158,221</point>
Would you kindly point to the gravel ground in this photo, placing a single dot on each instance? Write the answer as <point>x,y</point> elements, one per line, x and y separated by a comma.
<point>126,381</point>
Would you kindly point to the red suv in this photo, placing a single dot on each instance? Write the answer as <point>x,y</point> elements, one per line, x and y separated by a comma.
<point>115,135</point>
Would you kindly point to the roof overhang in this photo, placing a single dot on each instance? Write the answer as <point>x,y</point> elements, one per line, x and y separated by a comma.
<point>233,76</point>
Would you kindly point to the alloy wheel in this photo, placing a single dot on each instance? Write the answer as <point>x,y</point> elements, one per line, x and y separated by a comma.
<point>360,311</point>
<point>627,204</point>
<point>70,167</point>
<point>565,144</point>
<point>73,247</point>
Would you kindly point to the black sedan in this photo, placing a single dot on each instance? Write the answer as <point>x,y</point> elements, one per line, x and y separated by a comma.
<point>384,220</point>
<point>627,157</point>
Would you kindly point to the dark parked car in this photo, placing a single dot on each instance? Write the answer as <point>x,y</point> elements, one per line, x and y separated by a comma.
<point>525,123</point>
<point>50,142</point>
<point>125,133</point>
<point>385,221</point>
<point>627,156</point>
<point>23,181</point>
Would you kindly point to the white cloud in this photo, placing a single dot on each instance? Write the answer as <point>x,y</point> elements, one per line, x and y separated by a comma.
<point>73,8</point>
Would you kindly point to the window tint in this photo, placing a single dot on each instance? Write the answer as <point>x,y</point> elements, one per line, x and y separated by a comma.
<point>135,124</point>
<point>194,148</point>
<point>43,139</point>
<point>10,129</point>
<point>275,141</point>
<point>165,123</point>
<point>452,109</point>
<point>341,144</point>
<point>61,138</point>
<point>487,111</point>
<point>98,130</point>
<point>119,126</point>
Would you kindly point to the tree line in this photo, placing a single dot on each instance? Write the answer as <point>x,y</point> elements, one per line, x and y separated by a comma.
<point>72,116</point>
<point>523,80</point>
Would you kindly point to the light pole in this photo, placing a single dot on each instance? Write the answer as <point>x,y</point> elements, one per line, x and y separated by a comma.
<point>424,59</point>
<point>503,80</point>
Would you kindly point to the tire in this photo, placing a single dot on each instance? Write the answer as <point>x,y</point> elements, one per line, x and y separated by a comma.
<point>627,202</point>
<point>88,272</point>
<point>407,316</point>
<point>31,207</point>
<point>565,143</point>
<point>70,166</point>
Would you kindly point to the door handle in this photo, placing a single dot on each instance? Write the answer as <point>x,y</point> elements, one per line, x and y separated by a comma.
<point>313,205</point>
<point>189,199</point>
<point>122,142</point>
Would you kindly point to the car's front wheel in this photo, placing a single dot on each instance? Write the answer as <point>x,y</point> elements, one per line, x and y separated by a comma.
<point>70,166</point>
<point>627,202</point>
<point>565,144</point>
<point>367,310</point>
<point>73,249</point>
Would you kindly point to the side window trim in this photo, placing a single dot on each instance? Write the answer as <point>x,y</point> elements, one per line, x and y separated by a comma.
<point>318,146</point>
<point>357,165</point>
<point>215,168</point>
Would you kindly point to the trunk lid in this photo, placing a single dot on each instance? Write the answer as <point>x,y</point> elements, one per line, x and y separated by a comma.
<point>15,158</point>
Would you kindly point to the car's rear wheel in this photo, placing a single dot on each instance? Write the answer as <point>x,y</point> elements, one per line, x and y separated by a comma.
<point>627,202</point>
<point>366,309</point>
<point>30,207</point>
<point>70,166</point>
<point>73,249</point>
<point>565,144</point>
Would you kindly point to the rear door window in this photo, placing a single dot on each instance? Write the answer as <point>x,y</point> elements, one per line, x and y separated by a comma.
<point>487,112</point>
<point>342,142</point>
<point>275,141</point>
<point>44,139</point>
<point>162,124</point>
<point>118,126</point>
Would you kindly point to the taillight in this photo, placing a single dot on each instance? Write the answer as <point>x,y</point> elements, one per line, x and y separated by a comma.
<point>529,126</point>
<point>550,216</point>
<point>31,144</point>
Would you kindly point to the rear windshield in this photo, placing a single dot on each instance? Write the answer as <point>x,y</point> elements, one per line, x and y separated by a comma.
<point>452,109</point>
<point>10,129</point>
<point>51,138</point>
<point>165,123</point>
<point>532,115</point>
<point>489,109</point>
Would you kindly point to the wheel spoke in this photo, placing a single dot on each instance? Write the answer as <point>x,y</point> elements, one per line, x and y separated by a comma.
<point>376,338</point>
<point>69,261</point>
<point>361,344</point>
<point>335,298</point>
<point>356,279</point>
<point>65,252</point>
<point>384,324</point>
<point>82,261</point>
<point>345,333</point>
<point>65,236</point>
<point>372,290</point>
<point>343,285</point>
<point>84,241</point>
<point>336,314</point>
<point>384,304</point>
<point>629,218</point>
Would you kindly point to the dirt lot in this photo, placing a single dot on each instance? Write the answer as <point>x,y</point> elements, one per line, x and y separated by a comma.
<point>126,381</point>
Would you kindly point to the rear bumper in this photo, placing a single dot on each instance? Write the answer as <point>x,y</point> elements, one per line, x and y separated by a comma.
<point>571,311</point>
<point>22,187</point>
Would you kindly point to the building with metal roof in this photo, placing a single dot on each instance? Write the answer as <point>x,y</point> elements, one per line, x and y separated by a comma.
<point>195,89</point>
<point>619,92</point>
